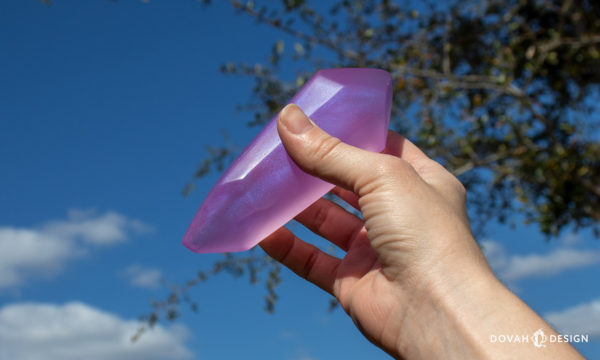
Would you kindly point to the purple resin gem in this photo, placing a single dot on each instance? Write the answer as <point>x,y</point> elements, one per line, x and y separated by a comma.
<point>263,188</point>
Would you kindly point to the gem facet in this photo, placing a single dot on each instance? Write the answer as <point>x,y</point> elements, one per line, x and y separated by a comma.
<point>264,188</point>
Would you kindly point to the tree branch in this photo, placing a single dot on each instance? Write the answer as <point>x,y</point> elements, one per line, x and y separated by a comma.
<point>462,81</point>
<point>279,25</point>
<point>545,48</point>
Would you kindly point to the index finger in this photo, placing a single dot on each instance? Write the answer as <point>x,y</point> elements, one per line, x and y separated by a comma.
<point>398,145</point>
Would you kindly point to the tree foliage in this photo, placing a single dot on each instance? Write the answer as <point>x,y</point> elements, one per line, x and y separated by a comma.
<point>505,94</point>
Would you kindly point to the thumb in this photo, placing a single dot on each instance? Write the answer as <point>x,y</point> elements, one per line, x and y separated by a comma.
<point>325,156</point>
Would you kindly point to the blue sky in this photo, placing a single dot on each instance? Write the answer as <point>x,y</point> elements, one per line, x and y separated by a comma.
<point>105,110</point>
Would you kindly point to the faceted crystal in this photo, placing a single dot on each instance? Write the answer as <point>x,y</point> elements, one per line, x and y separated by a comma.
<point>263,188</point>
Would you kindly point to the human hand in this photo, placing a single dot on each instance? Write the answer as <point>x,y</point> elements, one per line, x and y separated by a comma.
<point>415,226</point>
<point>410,261</point>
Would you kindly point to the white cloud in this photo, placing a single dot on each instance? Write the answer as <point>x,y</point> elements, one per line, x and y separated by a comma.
<point>78,331</point>
<point>580,319</point>
<point>297,349</point>
<point>42,250</point>
<point>515,267</point>
<point>24,251</point>
<point>143,276</point>
<point>105,229</point>
<point>552,263</point>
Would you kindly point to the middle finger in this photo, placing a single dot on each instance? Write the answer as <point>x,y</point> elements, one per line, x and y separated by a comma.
<point>331,221</point>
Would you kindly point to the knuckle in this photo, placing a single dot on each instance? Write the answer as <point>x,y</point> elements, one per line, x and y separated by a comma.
<point>324,148</point>
<point>321,216</point>
<point>460,189</point>
<point>427,165</point>
<point>384,173</point>
<point>388,166</point>
<point>397,169</point>
<point>393,165</point>
<point>309,264</point>
<point>454,187</point>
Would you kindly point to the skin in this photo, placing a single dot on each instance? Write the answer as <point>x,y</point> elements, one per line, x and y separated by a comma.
<point>413,278</point>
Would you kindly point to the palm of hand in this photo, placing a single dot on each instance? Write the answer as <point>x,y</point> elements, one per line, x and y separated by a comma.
<point>357,280</point>
<point>369,280</point>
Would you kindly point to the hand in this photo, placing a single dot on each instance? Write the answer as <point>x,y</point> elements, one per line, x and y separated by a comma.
<point>412,266</point>
<point>414,220</point>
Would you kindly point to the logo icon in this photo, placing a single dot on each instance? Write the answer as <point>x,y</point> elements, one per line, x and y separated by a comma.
<point>539,339</point>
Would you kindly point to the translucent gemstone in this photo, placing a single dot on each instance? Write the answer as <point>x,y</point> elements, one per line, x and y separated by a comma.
<point>263,188</point>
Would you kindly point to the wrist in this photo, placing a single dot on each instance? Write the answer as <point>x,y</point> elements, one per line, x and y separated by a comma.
<point>439,323</point>
<point>455,313</point>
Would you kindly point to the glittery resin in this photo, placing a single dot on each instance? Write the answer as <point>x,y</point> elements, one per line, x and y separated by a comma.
<point>263,188</point>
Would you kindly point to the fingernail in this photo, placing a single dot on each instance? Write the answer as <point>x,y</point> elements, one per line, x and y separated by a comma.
<point>294,120</point>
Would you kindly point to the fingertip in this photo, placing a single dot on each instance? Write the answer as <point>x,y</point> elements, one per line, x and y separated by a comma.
<point>320,154</point>
<point>293,120</point>
<point>286,110</point>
